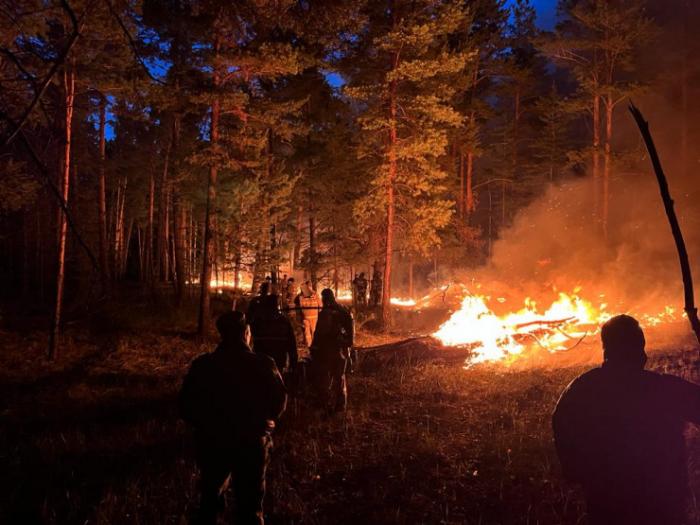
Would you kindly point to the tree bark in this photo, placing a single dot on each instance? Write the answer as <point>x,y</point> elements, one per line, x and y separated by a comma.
<point>148,259</point>
<point>210,216</point>
<point>596,156</point>
<point>69,87</point>
<point>609,108</point>
<point>102,200</point>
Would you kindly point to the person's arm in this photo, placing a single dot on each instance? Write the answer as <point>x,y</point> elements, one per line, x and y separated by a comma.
<point>567,435</point>
<point>277,392</point>
<point>190,396</point>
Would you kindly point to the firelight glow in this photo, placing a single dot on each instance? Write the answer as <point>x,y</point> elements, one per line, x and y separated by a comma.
<point>504,338</point>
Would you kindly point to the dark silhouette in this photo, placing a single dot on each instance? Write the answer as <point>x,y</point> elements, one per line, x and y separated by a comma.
<point>618,430</point>
<point>308,306</point>
<point>375,294</point>
<point>232,398</point>
<point>256,302</point>
<point>330,352</point>
<point>273,334</point>
<point>359,288</point>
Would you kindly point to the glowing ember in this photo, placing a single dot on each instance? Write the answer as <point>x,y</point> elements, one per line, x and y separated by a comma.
<point>561,326</point>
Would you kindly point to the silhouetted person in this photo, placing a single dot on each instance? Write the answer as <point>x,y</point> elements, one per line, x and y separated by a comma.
<point>330,352</point>
<point>359,287</point>
<point>273,334</point>
<point>375,294</point>
<point>308,304</point>
<point>255,302</point>
<point>232,397</point>
<point>618,430</point>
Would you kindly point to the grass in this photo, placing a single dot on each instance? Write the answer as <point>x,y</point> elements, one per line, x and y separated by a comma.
<point>96,439</point>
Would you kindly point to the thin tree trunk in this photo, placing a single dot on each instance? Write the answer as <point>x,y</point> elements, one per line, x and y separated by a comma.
<point>102,199</point>
<point>609,108</point>
<point>470,183</point>
<point>312,249</point>
<point>410,277</point>
<point>148,260</point>
<point>596,156</point>
<point>390,199</point>
<point>69,86</point>
<point>209,221</point>
<point>461,199</point>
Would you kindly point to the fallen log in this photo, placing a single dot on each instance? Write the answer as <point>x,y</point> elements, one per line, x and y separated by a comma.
<point>410,352</point>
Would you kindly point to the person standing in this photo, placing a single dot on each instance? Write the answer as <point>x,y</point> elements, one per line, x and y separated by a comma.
<point>376,291</point>
<point>232,398</point>
<point>618,431</point>
<point>359,286</point>
<point>330,352</point>
<point>309,304</point>
<point>273,335</point>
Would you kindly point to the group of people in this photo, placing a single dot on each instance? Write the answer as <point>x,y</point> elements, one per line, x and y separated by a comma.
<point>360,285</point>
<point>618,429</point>
<point>234,396</point>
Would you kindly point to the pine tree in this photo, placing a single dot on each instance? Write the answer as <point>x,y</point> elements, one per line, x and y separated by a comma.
<point>405,81</point>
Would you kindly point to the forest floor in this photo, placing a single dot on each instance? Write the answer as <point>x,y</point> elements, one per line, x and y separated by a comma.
<point>95,438</point>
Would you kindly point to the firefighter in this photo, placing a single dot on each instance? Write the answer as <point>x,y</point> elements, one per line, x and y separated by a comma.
<point>232,398</point>
<point>273,335</point>
<point>309,305</point>
<point>376,291</point>
<point>256,301</point>
<point>330,352</point>
<point>618,430</point>
<point>359,288</point>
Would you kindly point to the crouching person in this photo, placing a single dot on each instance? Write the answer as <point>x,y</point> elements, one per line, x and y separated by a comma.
<point>232,398</point>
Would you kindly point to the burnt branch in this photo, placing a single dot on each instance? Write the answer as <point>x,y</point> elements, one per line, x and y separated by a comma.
<point>690,308</point>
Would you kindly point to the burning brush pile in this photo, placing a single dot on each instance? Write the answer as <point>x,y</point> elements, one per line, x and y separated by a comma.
<point>509,335</point>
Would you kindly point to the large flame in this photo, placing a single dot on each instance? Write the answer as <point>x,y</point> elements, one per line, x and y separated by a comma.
<point>561,326</point>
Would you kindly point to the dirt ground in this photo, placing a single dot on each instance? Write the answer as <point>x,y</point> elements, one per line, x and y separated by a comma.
<point>95,438</point>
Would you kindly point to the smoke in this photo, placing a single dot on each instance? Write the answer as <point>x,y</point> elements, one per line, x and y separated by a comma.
<point>556,244</point>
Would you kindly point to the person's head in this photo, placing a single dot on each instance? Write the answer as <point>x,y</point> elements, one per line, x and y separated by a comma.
<point>265,288</point>
<point>327,297</point>
<point>623,342</point>
<point>290,280</point>
<point>362,275</point>
<point>306,287</point>
<point>232,327</point>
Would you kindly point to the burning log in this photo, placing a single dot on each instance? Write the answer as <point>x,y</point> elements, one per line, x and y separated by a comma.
<point>690,308</point>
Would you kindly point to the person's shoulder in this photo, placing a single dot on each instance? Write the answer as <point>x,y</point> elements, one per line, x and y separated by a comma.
<point>584,381</point>
<point>202,363</point>
<point>661,380</point>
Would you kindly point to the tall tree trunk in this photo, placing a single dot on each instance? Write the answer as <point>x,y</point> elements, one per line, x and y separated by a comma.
<point>179,225</point>
<point>609,108</point>
<point>596,156</point>
<point>210,216</point>
<point>470,184</point>
<point>312,249</point>
<point>69,86</point>
<point>148,259</point>
<point>461,200</point>
<point>102,200</point>
<point>390,198</point>
<point>410,277</point>
<point>161,265</point>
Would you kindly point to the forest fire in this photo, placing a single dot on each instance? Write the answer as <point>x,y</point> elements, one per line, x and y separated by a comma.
<point>561,326</point>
